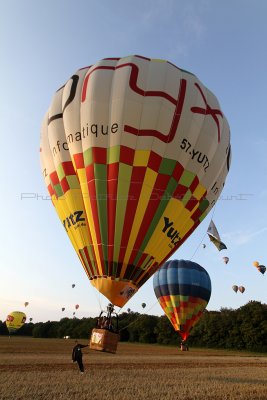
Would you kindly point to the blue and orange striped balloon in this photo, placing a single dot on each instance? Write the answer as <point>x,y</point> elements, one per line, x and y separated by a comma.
<point>183,289</point>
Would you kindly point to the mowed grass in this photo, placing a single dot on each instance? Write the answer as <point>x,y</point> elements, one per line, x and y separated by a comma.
<point>35,369</point>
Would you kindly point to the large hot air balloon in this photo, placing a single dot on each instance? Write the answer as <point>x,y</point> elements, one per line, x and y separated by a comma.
<point>241,289</point>
<point>183,289</point>
<point>135,153</point>
<point>15,320</point>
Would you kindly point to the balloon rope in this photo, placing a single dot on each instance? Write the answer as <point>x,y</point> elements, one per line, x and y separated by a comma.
<point>99,301</point>
<point>153,305</point>
<point>203,235</point>
<point>98,296</point>
<point>137,319</point>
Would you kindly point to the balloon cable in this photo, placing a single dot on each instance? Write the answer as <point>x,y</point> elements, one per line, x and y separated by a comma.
<point>203,235</point>
<point>137,319</point>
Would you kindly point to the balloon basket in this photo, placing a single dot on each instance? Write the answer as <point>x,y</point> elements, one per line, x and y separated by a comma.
<point>183,347</point>
<point>104,340</point>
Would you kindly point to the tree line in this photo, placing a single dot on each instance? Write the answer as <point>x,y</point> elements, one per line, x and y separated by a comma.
<point>244,328</point>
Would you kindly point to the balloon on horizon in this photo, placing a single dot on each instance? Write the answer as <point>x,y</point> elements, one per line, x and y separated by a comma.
<point>15,320</point>
<point>134,152</point>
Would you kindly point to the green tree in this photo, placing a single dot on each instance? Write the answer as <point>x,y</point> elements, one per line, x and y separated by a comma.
<point>165,332</point>
<point>252,319</point>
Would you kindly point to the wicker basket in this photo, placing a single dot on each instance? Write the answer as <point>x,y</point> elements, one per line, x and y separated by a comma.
<point>104,340</point>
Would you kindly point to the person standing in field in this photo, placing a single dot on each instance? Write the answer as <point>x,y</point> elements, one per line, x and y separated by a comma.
<point>77,355</point>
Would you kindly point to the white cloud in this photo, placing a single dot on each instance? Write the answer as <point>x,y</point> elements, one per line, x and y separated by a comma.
<point>193,22</point>
<point>157,10</point>
<point>189,28</point>
<point>240,238</point>
<point>263,193</point>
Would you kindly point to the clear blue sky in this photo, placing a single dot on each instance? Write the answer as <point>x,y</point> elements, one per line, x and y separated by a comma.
<point>42,45</point>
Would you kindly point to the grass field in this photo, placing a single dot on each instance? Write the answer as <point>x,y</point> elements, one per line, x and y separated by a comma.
<point>35,369</point>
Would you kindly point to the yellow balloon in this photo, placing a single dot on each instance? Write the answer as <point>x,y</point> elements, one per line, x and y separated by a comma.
<point>134,152</point>
<point>256,264</point>
<point>15,320</point>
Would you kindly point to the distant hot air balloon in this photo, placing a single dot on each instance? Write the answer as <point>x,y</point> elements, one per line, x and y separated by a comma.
<point>30,319</point>
<point>135,153</point>
<point>183,289</point>
<point>73,285</point>
<point>73,313</point>
<point>225,260</point>
<point>77,306</point>
<point>26,303</point>
<point>261,269</point>
<point>143,305</point>
<point>128,310</point>
<point>235,288</point>
<point>15,320</point>
<point>241,289</point>
<point>203,245</point>
<point>63,309</point>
